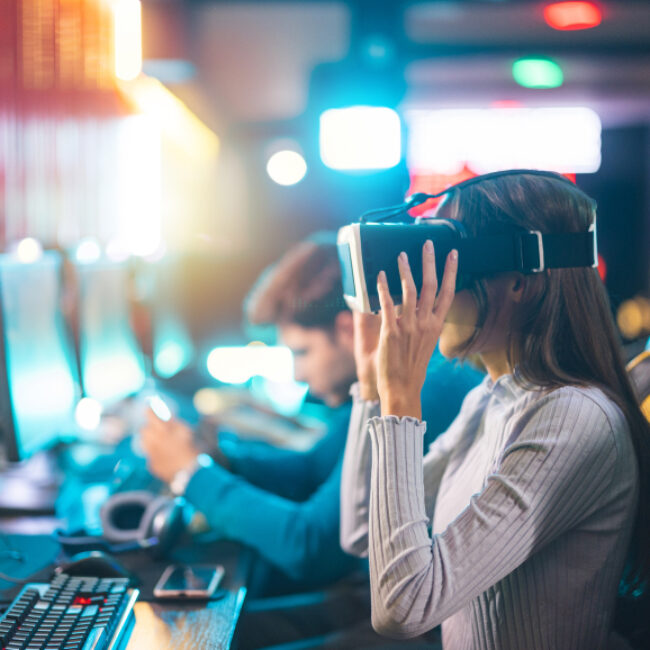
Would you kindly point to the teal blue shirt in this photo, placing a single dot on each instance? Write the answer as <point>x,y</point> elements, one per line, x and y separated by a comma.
<point>285,504</point>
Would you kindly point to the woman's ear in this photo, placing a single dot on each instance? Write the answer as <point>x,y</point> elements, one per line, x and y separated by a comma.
<point>517,287</point>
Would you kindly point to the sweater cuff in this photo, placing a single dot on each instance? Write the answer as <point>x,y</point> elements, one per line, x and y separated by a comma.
<point>396,423</point>
<point>355,393</point>
<point>397,451</point>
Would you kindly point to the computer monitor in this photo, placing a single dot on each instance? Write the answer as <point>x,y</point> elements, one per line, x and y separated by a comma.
<point>111,361</point>
<point>173,349</point>
<point>39,386</point>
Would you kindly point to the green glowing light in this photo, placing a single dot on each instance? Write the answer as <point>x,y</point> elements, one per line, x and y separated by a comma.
<point>537,73</point>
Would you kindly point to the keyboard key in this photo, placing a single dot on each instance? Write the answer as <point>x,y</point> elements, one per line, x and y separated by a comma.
<point>94,639</point>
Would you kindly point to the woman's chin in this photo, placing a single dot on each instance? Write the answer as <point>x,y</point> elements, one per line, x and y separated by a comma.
<point>453,340</point>
<point>444,349</point>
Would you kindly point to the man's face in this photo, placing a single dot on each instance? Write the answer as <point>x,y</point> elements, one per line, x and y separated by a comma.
<point>322,358</point>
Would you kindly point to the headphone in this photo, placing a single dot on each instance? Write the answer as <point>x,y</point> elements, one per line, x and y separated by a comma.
<point>412,201</point>
<point>131,520</point>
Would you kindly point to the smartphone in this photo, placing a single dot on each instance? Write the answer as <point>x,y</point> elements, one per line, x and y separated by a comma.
<point>160,408</point>
<point>188,581</point>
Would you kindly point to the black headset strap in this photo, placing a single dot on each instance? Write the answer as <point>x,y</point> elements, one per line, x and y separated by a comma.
<point>527,252</point>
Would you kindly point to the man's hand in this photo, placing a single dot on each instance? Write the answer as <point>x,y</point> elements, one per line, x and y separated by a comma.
<point>169,446</point>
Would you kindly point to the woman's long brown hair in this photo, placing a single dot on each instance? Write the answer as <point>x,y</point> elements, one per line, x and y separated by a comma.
<point>564,333</point>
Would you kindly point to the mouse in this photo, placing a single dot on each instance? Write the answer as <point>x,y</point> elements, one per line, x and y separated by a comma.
<point>94,564</point>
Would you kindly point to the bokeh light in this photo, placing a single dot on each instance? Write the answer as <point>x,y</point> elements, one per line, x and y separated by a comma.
<point>537,73</point>
<point>286,167</point>
<point>237,364</point>
<point>572,15</point>
<point>88,413</point>
<point>88,251</point>
<point>360,137</point>
<point>28,250</point>
<point>128,39</point>
<point>633,317</point>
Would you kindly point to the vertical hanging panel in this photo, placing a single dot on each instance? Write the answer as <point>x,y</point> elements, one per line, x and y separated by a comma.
<point>60,117</point>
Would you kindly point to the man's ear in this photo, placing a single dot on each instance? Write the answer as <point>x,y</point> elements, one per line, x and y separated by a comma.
<point>344,328</point>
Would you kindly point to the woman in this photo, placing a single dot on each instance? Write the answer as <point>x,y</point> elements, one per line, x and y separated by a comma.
<point>514,531</point>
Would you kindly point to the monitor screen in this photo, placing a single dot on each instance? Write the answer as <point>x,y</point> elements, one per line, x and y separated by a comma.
<point>39,388</point>
<point>111,361</point>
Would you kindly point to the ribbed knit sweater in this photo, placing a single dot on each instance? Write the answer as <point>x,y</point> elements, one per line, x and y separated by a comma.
<point>512,532</point>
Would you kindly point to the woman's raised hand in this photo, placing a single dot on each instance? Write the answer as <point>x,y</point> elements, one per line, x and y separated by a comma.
<point>366,339</point>
<point>407,339</point>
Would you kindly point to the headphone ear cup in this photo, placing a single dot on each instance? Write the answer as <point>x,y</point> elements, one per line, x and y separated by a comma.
<point>140,515</point>
<point>167,523</point>
<point>126,516</point>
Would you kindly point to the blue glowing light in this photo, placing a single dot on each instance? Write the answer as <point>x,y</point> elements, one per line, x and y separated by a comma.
<point>360,137</point>
<point>286,397</point>
<point>40,359</point>
<point>173,348</point>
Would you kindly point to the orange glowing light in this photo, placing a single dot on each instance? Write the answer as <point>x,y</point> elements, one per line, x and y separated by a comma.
<point>572,15</point>
<point>128,39</point>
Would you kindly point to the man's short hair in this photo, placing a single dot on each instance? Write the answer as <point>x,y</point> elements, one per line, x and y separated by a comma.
<point>303,287</point>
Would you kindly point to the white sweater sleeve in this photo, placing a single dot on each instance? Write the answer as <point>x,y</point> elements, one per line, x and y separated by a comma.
<point>357,462</point>
<point>355,478</point>
<point>566,447</point>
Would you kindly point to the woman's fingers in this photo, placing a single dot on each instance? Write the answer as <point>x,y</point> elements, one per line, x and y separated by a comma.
<point>388,315</point>
<point>448,287</point>
<point>427,302</point>
<point>409,292</point>
<point>429,279</point>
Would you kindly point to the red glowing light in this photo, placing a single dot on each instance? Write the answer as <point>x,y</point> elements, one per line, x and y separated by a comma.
<point>432,184</point>
<point>602,268</point>
<point>506,103</point>
<point>572,15</point>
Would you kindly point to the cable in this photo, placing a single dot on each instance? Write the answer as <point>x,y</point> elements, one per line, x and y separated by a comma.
<point>12,554</point>
<point>420,197</point>
<point>8,578</point>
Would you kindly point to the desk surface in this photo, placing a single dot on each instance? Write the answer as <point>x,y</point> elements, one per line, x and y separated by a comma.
<point>191,625</point>
<point>186,626</point>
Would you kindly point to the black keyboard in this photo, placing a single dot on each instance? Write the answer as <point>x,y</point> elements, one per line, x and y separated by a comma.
<point>70,613</point>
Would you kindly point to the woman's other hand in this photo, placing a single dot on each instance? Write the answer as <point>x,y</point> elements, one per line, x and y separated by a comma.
<point>366,339</point>
<point>407,340</point>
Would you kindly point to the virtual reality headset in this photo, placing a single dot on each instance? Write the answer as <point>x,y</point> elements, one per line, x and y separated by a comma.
<point>366,248</point>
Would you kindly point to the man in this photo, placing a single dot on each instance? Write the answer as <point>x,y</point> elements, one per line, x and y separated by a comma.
<point>296,532</point>
<point>285,504</point>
